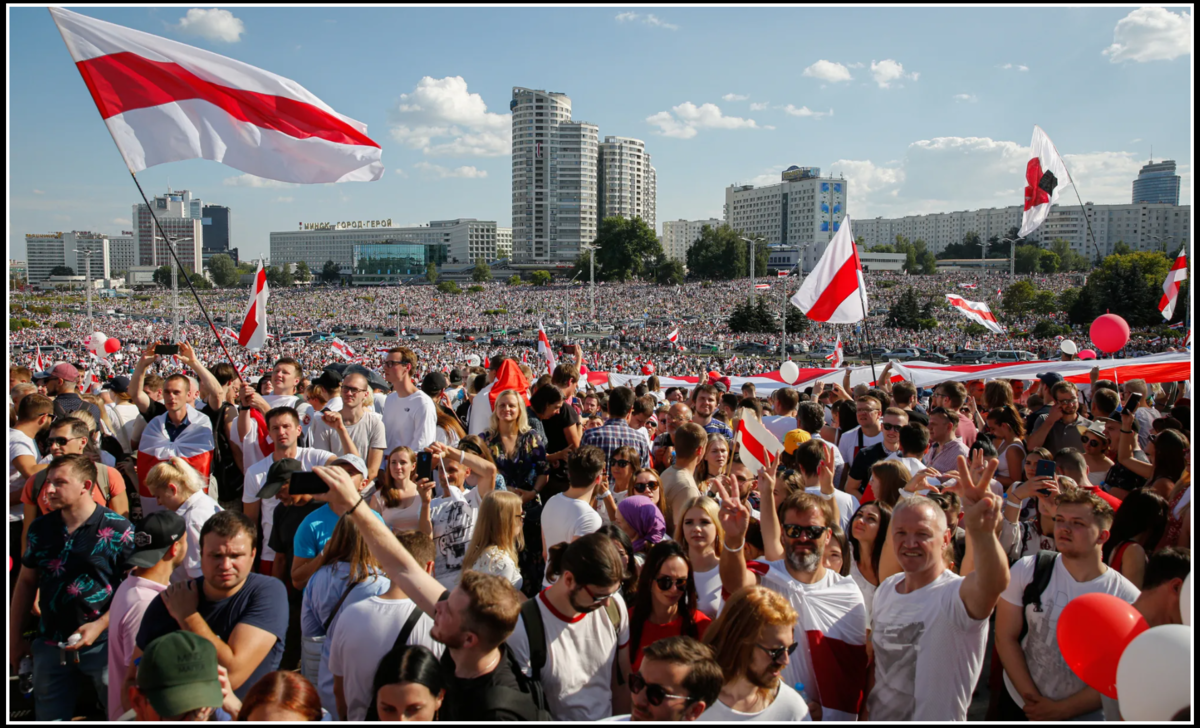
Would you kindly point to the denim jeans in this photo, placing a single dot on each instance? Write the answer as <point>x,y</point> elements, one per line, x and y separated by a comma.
<point>56,687</point>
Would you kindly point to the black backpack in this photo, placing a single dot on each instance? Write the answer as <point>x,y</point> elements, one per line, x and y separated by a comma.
<point>229,477</point>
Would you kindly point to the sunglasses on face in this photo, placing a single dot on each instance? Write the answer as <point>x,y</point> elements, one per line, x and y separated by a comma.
<point>808,533</point>
<point>352,391</point>
<point>643,487</point>
<point>621,463</point>
<point>655,694</point>
<point>776,653</point>
<point>865,411</point>
<point>597,599</point>
<point>1094,442</point>
<point>892,428</point>
<point>62,441</point>
<point>665,583</point>
<point>1068,401</point>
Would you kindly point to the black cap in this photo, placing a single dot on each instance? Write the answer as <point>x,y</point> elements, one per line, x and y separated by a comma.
<point>278,476</point>
<point>330,379</point>
<point>455,377</point>
<point>433,384</point>
<point>117,384</point>
<point>1050,378</point>
<point>155,534</point>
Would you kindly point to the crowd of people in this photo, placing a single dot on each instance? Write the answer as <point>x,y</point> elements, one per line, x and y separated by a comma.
<point>429,538</point>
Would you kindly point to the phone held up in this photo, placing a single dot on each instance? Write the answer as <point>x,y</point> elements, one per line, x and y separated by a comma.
<point>307,484</point>
<point>166,349</point>
<point>424,466</point>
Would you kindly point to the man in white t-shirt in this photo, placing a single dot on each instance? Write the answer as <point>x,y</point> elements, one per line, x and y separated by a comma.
<point>866,434</point>
<point>784,402</point>
<point>452,517</point>
<point>284,428</point>
<point>285,383</point>
<point>358,423</point>
<point>570,515</point>
<point>35,412</point>
<point>929,625</point>
<point>409,415</point>
<point>582,640</point>
<point>1039,685</point>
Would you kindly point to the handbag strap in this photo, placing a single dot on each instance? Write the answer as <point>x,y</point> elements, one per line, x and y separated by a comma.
<point>329,620</point>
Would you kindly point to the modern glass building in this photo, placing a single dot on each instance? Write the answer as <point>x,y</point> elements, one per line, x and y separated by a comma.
<point>1157,183</point>
<point>396,259</point>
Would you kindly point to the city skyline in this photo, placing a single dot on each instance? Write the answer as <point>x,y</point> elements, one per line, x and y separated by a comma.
<point>922,109</point>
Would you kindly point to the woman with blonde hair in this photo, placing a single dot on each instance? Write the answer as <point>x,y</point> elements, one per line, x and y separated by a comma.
<point>498,540</point>
<point>179,488</point>
<point>701,534</point>
<point>716,460</point>
<point>397,498</point>
<point>520,455</point>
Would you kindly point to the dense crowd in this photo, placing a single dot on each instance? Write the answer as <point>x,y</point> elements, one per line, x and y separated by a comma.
<point>426,538</point>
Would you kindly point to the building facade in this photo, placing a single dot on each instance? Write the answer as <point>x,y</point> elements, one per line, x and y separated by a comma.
<point>804,210</point>
<point>554,180</point>
<point>181,218</point>
<point>678,236</point>
<point>122,252</point>
<point>504,243</point>
<point>1157,183</point>
<point>47,251</point>
<point>336,242</point>
<point>469,239</point>
<point>626,180</point>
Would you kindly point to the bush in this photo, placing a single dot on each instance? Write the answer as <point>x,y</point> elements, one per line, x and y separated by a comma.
<point>886,284</point>
<point>20,323</point>
<point>706,284</point>
<point>974,329</point>
<point>495,312</point>
<point>62,324</point>
<point>926,324</point>
<point>448,287</point>
<point>400,312</point>
<point>476,289</point>
<point>1048,330</point>
<point>367,299</point>
<point>514,280</point>
<point>143,298</point>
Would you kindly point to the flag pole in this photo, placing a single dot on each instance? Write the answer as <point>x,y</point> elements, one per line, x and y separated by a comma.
<point>187,279</point>
<point>862,293</point>
<point>1086,220</point>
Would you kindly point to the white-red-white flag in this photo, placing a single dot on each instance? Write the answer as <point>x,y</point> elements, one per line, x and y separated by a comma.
<point>836,357</point>
<point>254,323</point>
<point>341,348</point>
<point>165,101</point>
<point>782,273</point>
<point>39,364</point>
<point>524,356</point>
<point>759,447</point>
<point>545,350</point>
<point>672,337</point>
<point>977,311</point>
<point>1175,278</point>
<point>835,291</point>
<point>761,286</point>
<point>1045,175</point>
<point>968,285</point>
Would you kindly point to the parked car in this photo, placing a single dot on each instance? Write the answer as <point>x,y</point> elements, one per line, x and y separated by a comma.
<point>356,332</point>
<point>968,356</point>
<point>1008,356</point>
<point>932,356</point>
<point>903,354</point>
<point>389,332</point>
<point>465,337</point>
<point>877,352</point>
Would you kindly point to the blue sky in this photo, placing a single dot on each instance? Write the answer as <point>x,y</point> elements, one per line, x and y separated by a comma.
<point>922,109</point>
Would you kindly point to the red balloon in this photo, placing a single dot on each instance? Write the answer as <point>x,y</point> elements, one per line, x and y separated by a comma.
<point>1087,354</point>
<point>1110,333</point>
<point>1093,632</point>
<point>112,346</point>
<point>647,369</point>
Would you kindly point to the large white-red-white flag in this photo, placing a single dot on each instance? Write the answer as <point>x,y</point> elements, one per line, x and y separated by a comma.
<point>1045,175</point>
<point>165,101</point>
<point>836,357</point>
<point>1175,278</point>
<point>673,337</point>
<point>39,364</point>
<point>759,447</point>
<point>977,311</point>
<point>835,291</point>
<point>341,348</point>
<point>254,323</point>
<point>545,350</point>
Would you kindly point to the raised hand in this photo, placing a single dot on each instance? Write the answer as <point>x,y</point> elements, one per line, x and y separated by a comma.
<point>985,515</point>
<point>425,489</point>
<point>187,354</point>
<point>825,471</point>
<point>342,495</point>
<point>734,515</point>
<point>148,355</point>
<point>970,488</point>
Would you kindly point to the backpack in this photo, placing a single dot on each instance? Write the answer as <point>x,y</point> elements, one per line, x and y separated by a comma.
<point>229,477</point>
<point>1043,570</point>
<point>39,479</point>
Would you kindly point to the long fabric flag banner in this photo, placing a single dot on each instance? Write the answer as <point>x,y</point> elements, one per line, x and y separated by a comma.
<point>977,311</point>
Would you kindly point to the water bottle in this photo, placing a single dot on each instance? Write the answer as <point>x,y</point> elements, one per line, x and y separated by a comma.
<point>25,673</point>
<point>799,687</point>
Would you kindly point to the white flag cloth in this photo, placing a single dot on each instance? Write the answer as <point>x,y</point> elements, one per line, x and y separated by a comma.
<point>165,101</point>
<point>254,323</point>
<point>837,356</point>
<point>1045,175</point>
<point>835,291</point>
<point>545,351</point>
<point>341,348</point>
<point>1175,278</point>
<point>673,336</point>
<point>759,446</point>
<point>977,311</point>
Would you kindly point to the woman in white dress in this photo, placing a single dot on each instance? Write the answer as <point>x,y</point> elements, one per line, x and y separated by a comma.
<point>498,538</point>
<point>397,499</point>
<point>868,527</point>
<point>700,531</point>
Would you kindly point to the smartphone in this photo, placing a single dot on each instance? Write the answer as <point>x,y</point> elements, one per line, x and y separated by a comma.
<point>424,466</point>
<point>1046,468</point>
<point>166,349</point>
<point>1043,491</point>
<point>307,484</point>
<point>1135,401</point>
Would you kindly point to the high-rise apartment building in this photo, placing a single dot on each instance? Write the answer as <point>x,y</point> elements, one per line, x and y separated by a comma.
<point>181,218</point>
<point>803,210</point>
<point>626,180</point>
<point>122,252</point>
<point>554,179</point>
<point>678,236</point>
<point>1157,183</point>
<point>47,251</point>
<point>504,243</point>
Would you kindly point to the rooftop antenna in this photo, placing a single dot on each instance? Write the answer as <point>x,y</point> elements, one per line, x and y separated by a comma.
<point>1151,154</point>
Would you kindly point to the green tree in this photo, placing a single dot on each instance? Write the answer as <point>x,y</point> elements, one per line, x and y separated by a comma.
<point>1069,260</point>
<point>583,267</point>
<point>974,330</point>
<point>668,272</point>
<point>1048,262</point>
<point>1067,299</point>
<point>1045,303</point>
<point>431,272</point>
<point>1028,259</point>
<point>720,254</point>
<point>928,263</point>
<point>482,272</point>
<point>62,270</point>
<point>797,322</point>
<point>303,274</point>
<point>448,287</point>
<point>1018,298</point>
<point>884,248</point>
<point>331,271</point>
<point>1048,329</point>
<point>540,278</point>
<point>514,280</point>
<point>627,249</point>
<point>905,312</point>
<point>1121,248</point>
<point>280,276</point>
<point>224,272</point>
<point>752,317</point>
<point>1129,285</point>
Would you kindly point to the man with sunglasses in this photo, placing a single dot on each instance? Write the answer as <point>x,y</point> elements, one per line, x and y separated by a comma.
<point>866,434</point>
<point>1059,428</point>
<point>860,470</point>
<point>678,680</point>
<point>409,414</point>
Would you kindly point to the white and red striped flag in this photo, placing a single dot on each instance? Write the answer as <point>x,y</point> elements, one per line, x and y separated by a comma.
<point>254,324</point>
<point>341,348</point>
<point>835,291</point>
<point>39,364</point>
<point>524,356</point>
<point>759,447</point>
<point>836,357</point>
<point>1045,175</point>
<point>782,273</point>
<point>977,311</point>
<point>672,337</point>
<point>968,285</point>
<point>545,350</point>
<point>761,286</point>
<point>1175,278</point>
<point>165,101</point>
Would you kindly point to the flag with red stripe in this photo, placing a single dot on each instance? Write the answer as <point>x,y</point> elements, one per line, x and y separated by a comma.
<point>39,364</point>
<point>254,323</point>
<point>761,286</point>
<point>165,101</point>
<point>671,337</point>
<point>759,447</point>
<point>545,350</point>
<point>836,357</point>
<point>1045,175</point>
<point>977,311</point>
<point>782,273</point>
<point>1175,278</point>
<point>194,444</point>
<point>341,348</point>
<point>835,291</point>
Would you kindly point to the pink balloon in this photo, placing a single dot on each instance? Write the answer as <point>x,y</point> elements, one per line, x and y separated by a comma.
<point>1087,354</point>
<point>1110,333</point>
<point>112,346</point>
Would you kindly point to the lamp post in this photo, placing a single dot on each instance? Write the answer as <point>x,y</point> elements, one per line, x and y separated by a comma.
<point>1012,256</point>
<point>592,249</point>
<point>748,240</point>
<point>1164,240</point>
<point>87,263</point>
<point>783,352</point>
<point>567,309</point>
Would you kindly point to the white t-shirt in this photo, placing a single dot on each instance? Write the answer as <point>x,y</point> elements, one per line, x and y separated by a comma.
<point>195,512</point>
<point>124,418</point>
<point>479,416</point>
<point>787,706</point>
<point>400,518</point>
<point>1050,673</point>
<point>839,463</point>
<point>497,562</point>
<point>566,519</point>
<point>256,477</point>
<point>364,633</point>
<point>848,446</point>
<point>453,525</point>
<point>410,421</point>
<point>864,586</point>
<point>928,651</point>
<point>846,503</point>
<point>914,465</point>
<point>708,591</point>
<point>367,434</point>
<point>577,676</point>
<point>780,425</point>
<point>303,409</point>
<point>18,444</point>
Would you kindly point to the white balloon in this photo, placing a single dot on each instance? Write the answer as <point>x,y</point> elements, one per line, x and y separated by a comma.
<point>1153,674</point>
<point>1185,601</point>
<point>789,371</point>
<point>1069,347</point>
<point>95,342</point>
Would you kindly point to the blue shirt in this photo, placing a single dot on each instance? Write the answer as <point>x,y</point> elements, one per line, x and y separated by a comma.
<point>616,434</point>
<point>316,530</point>
<point>717,427</point>
<point>173,430</point>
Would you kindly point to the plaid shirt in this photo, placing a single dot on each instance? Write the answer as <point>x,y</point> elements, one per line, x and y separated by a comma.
<point>616,434</point>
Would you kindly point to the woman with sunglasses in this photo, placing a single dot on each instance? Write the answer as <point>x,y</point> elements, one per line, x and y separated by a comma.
<point>1168,450</point>
<point>641,520</point>
<point>1095,452</point>
<point>715,462</point>
<point>499,538</point>
<point>665,605</point>
<point>700,532</point>
<point>868,531</point>
<point>1007,430</point>
<point>647,483</point>
<point>622,470</point>
<point>1137,527</point>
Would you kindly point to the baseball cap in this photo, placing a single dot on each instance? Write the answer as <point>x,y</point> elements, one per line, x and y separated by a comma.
<point>353,461</point>
<point>178,674</point>
<point>65,372</point>
<point>278,476</point>
<point>433,384</point>
<point>40,376</point>
<point>455,377</point>
<point>155,534</point>
<point>329,379</point>
<point>117,384</point>
<point>1050,378</point>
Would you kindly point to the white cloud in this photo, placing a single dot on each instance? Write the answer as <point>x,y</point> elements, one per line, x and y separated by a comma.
<point>1135,141</point>
<point>806,112</point>
<point>648,19</point>
<point>626,17</point>
<point>756,106</point>
<point>734,97</point>
<point>442,118</point>
<point>250,180</point>
<point>688,118</point>
<point>972,98</point>
<point>284,198</point>
<point>215,25</point>
<point>854,65</point>
<point>830,71</point>
<point>888,71</point>
<point>122,221</point>
<point>1151,34</point>
<point>1018,67</point>
<point>39,192</point>
<point>440,172</point>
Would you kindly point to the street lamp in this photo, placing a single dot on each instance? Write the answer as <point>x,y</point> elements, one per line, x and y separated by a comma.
<point>783,352</point>
<point>592,264</point>
<point>1164,243</point>
<point>87,262</point>
<point>1012,256</point>
<point>567,308</point>
<point>748,240</point>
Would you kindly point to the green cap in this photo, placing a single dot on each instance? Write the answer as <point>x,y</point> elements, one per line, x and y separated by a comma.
<point>178,673</point>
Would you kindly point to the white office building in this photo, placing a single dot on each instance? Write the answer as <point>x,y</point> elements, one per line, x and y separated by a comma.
<point>463,240</point>
<point>181,218</point>
<point>626,180</point>
<point>47,251</point>
<point>122,252</point>
<point>554,180</point>
<point>470,239</point>
<point>504,243</point>
<point>804,210</point>
<point>678,236</point>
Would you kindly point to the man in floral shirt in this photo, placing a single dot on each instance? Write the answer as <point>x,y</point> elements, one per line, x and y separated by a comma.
<point>75,558</point>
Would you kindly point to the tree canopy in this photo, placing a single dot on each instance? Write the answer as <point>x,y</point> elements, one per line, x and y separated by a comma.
<point>482,272</point>
<point>721,254</point>
<point>224,272</point>
<point>1128,285</point>
<point>627,249</point>
<point>331,271</point>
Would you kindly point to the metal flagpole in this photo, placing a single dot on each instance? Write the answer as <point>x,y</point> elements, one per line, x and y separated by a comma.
<point>1086,220</point>
<point>862,293</point>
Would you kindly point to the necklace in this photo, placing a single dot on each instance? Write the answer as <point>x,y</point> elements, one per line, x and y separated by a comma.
<point>486,670</point>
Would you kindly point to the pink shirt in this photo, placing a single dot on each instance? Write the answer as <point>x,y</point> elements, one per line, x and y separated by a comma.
<point>124,619</point>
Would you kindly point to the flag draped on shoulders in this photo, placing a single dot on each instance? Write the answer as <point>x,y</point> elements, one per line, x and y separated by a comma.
<point>195,445</point>
<point>1045,175</point>
<point>835,291</point>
